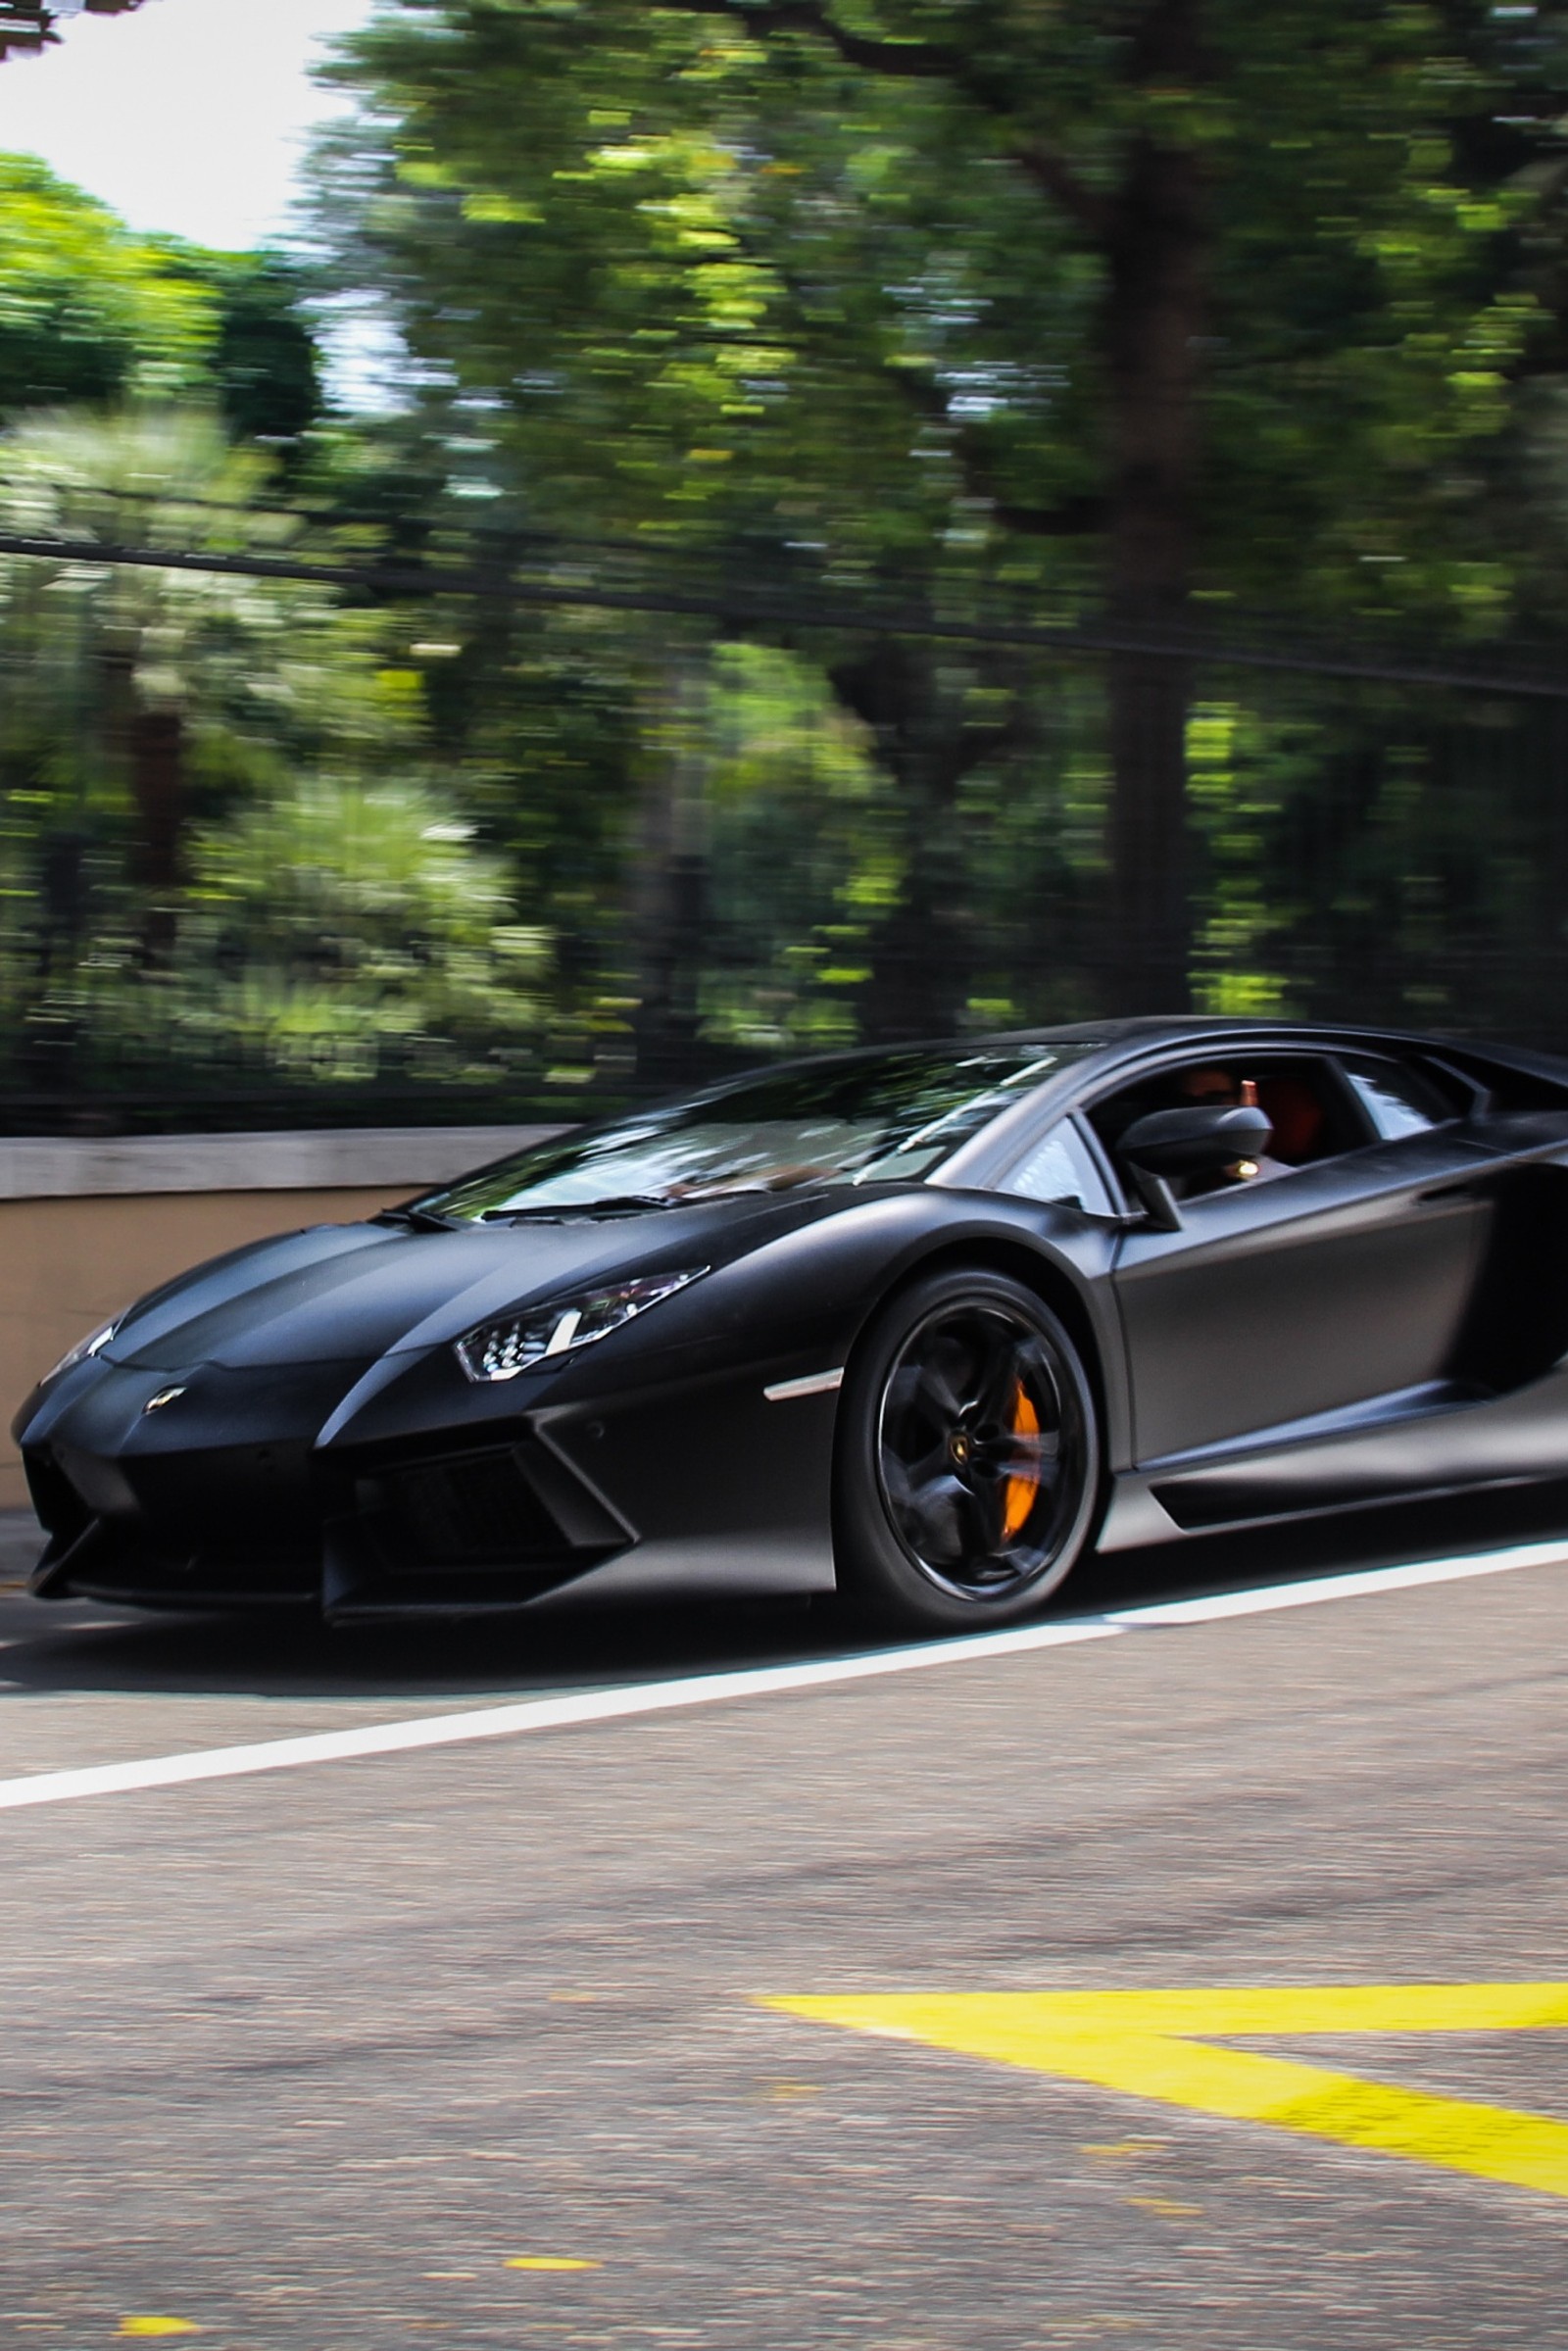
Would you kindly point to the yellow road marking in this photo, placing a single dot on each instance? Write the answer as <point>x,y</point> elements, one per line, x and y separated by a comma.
<point>1148,2044</point>
<point>547,2261</point>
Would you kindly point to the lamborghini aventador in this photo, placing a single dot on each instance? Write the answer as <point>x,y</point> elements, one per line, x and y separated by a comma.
<point>923,1324</point>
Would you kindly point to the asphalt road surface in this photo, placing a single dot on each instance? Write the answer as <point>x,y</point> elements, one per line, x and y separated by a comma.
<point>468,2046</point>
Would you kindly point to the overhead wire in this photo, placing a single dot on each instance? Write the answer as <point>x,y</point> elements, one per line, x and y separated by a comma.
<point>831,607</point>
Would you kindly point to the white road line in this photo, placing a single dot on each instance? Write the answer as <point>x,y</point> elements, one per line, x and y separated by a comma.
<point>707,1690</point>
<point>1262,1600</point>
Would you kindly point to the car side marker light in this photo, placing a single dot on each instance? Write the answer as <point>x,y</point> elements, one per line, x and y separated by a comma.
<point>815,1383</point>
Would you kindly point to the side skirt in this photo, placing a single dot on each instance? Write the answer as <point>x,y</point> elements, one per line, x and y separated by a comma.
<point>1440,1439</point>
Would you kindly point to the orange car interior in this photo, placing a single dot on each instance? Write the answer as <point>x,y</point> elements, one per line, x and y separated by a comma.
<point>1303,1103</point>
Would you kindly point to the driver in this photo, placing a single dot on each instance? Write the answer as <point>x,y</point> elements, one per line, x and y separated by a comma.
<point>1212,1084</point>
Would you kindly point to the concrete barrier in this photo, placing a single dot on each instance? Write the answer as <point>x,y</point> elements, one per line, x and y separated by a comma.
<point>87,1226</point>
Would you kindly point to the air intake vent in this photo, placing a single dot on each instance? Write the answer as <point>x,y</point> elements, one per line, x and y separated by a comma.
<point>470,1506</point>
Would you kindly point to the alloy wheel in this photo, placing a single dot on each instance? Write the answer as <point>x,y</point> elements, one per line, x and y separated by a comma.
<point>981,1449</point>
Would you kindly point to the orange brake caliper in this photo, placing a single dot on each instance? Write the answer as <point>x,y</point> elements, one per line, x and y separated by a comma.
<point>1023,1485</point>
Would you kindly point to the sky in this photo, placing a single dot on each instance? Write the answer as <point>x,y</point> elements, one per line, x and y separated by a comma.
<point>188,116</point>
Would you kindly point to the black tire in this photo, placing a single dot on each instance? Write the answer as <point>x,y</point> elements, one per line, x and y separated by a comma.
<point>967,1466</point>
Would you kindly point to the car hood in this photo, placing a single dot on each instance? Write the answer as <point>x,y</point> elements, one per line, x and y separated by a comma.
<point>351,1293</point>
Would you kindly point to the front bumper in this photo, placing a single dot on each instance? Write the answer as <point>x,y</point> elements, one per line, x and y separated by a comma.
<point>274,1489</point>
<point>234,1503</point>
<point>486,1527</point>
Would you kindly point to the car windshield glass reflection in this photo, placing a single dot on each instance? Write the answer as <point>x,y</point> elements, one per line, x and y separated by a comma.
<point>890,1118</point>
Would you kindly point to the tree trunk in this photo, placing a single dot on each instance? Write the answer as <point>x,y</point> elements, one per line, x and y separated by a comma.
<point>151,743</point>
<point>668,908</point>
<point>1156,312</point>
<point>919,959</point>
<point>157,783</point>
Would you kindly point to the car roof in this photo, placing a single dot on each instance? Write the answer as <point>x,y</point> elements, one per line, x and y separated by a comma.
<point>1131,1037</point>
<point>1131,1041</point>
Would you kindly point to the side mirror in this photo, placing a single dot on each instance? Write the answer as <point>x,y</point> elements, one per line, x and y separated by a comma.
<point>1198,1141</point>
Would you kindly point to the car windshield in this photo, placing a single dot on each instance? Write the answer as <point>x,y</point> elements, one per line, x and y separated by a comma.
<point>888,1118</point>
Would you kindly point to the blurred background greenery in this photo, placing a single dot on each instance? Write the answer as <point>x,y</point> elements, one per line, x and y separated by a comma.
<point>869,520</point>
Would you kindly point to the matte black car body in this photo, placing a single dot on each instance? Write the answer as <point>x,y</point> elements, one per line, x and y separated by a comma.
<point>290,1424</point>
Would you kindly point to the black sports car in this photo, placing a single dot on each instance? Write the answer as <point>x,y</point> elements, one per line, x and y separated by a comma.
<point>921,1323</point>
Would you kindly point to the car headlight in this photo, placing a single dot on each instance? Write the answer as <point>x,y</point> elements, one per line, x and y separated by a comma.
<point>93,1345</point>
<point>513,1342</point>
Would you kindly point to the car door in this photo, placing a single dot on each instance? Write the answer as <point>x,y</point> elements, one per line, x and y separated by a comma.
<point>1339,1282</point>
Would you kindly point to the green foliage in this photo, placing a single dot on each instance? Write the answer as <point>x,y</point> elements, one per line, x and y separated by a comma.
<point>263,365</point>
<point>784,304</point>
<point>222,831</point>
<point>93,313</point>
<point>698,271</point>
<point>801,851</point>
<point>258,665</point>
<point>338,925</point>
<point>88,310</point>
<point>1182,299</point>
<point>664,282</point>
<point>1379,297</point>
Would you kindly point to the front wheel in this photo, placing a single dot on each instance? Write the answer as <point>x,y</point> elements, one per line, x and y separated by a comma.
<point>967,1465</point>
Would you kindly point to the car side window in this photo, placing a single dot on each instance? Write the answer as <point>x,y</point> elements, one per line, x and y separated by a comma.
<point>1312,1114</point>
<point>1399,1101</point>
<point>1058,1170</point>
<point>1299,1092</point>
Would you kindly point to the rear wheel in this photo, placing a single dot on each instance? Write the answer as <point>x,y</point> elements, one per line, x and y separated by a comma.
<point>968,1468</point>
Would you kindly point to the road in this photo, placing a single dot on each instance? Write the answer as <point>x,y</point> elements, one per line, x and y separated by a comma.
<point>313,2058</point>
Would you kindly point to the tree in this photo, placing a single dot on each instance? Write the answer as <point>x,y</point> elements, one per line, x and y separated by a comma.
<point>88,310</point>
<point>27,25</point>
<point>223,837</point>
<point>262,361</point>
<point>1135,302</point>
<point>345,922</point>
<point>93,313</point>
<point>195,681</point>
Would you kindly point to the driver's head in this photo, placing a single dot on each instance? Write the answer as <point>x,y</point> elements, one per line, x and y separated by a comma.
<point>1209,1086</point>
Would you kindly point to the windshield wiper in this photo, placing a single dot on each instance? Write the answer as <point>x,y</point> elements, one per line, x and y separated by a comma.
<point>626,1203</point>
<point>422,1220</point>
